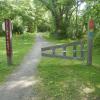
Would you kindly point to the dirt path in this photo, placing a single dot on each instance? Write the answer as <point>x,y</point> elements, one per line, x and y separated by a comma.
<point>19,85</point>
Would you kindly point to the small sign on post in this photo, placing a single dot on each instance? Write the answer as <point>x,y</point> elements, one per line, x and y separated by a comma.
<point>7,27</point>
<point>90,41</point>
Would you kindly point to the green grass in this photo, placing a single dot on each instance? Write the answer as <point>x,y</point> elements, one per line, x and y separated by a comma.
<point>21,46</point>
<point>69,79</point>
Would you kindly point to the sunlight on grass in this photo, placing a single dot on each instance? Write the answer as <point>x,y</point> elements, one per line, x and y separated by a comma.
<point>68,80</point>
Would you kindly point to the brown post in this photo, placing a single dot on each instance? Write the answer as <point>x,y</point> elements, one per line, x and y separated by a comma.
<point>90,41</point>
<point>8,30</point>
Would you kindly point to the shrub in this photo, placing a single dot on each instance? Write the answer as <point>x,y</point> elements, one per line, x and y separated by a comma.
<point>43,27</point>
<point>18,29</point>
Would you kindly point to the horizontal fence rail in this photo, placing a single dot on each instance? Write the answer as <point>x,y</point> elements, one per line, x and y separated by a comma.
<point>64,51</point>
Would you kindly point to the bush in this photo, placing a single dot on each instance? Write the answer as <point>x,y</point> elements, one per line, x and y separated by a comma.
<point>18,26</point>
<point>43,27</point>
<point>18,29</point>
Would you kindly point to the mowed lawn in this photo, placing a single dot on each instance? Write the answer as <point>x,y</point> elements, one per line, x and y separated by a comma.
<point>21,46</point>
<point>69,79</point>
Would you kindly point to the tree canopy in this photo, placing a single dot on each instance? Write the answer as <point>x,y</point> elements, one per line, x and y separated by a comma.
<point>63,18</point>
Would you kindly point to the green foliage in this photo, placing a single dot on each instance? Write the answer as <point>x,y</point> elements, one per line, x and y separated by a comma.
<point>18,29</point>
<point>5,9</point>
<point>61,12</point>
<point>49,37</point>
<point>18,25</point>
<point>64,22</point>
<point>92,9</point>
<point>56,16</point>
<point>43,27</point>
<point>42,18</point>
<point>14,10</point>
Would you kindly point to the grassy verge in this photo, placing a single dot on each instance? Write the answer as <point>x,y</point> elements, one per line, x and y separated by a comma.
<point>69,79</point>
<point>21,46</point>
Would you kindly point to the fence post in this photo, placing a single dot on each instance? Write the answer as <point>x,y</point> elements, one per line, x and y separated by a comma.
<point>90,46</point>
<point>74,51</point>
<point>90,41</point>
<point>53,51</point>
<point>64,51</point>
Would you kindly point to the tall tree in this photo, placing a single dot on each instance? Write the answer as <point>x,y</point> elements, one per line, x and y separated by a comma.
<point>61,11</point>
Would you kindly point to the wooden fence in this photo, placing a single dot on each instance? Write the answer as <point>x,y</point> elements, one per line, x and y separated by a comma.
<point>64,51</point>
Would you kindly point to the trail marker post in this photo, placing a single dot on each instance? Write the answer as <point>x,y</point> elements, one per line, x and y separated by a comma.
<point>7,27</point>
<point>90,41</point>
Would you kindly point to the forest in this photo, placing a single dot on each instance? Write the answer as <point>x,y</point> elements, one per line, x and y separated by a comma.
<point>62,18</point>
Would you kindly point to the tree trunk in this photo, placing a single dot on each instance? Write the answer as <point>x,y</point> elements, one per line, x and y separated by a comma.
<point>59,29</point>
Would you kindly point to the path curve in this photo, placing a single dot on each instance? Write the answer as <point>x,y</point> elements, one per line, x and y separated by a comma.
<point>19,85</point>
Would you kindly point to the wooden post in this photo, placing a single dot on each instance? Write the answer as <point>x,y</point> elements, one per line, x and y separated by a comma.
<point>64,51</point>
<point>74,51</point>
<point>90,46</point>
<point>90,41</point>
<point>8,30</point>
<point>53,51</point>
<point>82,48</point>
